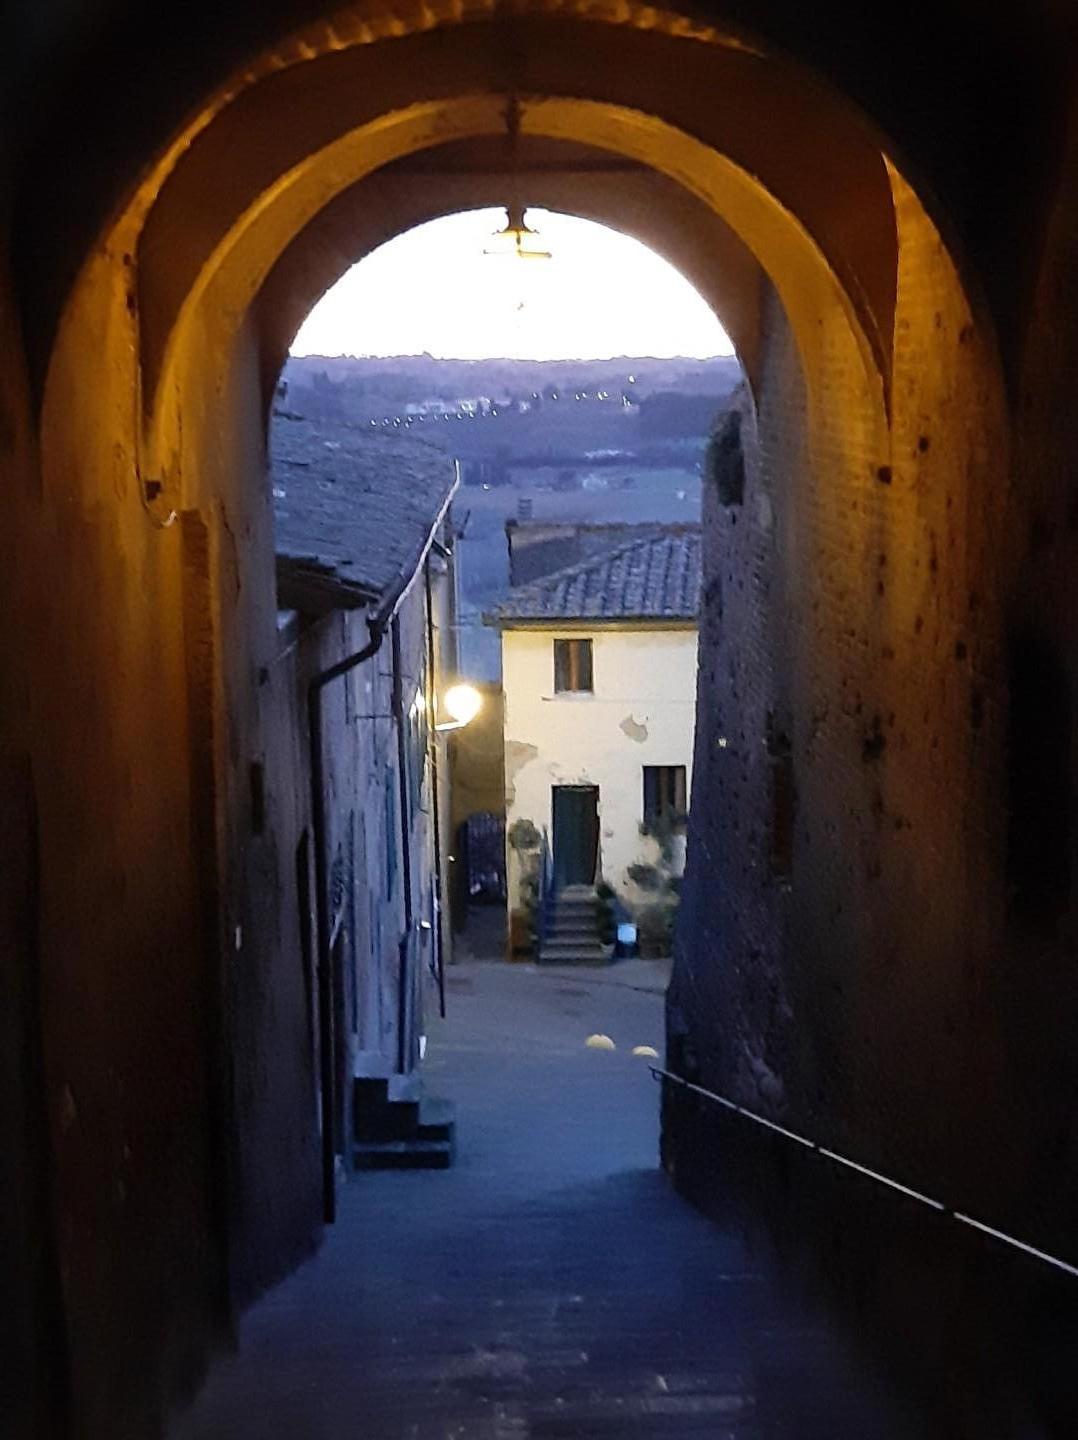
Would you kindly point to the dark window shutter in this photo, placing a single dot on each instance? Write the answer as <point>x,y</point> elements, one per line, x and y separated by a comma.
<point>679,799</point>
<point>561,665</point>
<point>651,791</point>
<point>583,676</point>
<point>665,792</point>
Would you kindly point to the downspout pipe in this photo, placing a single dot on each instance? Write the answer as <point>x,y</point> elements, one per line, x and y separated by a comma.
<point>326,1027</point>
<point>379,621</point>
<point>404,943</point>
<point>434,782</point>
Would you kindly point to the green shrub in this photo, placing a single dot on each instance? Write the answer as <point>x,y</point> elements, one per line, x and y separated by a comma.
<point>524,836</point>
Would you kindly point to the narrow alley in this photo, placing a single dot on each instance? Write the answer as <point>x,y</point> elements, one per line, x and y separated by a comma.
<point>552,1283</point>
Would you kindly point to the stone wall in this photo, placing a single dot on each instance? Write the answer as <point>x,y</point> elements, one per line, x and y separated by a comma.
<point>857,962</point>
<point>863,974</point>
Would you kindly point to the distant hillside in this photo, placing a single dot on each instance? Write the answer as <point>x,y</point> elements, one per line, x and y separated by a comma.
<point>408,376</point>
<point>583,442</point>
<point>507,413</point>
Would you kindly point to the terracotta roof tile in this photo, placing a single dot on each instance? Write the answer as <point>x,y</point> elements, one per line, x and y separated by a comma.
<point>657,578</point>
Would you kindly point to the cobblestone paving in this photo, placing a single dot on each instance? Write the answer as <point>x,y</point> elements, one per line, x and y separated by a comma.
<point>551,1285</point>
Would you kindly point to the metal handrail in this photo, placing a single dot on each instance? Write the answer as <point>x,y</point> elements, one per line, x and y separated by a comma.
<point>938,1205</point>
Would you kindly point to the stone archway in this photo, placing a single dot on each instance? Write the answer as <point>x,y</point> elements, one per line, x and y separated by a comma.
<point>864,343</point>
<point>558,175</point>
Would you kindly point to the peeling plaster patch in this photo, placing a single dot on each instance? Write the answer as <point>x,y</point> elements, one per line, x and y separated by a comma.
<point>634,729</point>
<point>518,753</point>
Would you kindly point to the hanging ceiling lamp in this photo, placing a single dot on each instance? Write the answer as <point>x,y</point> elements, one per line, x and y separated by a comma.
<point>515,238</point>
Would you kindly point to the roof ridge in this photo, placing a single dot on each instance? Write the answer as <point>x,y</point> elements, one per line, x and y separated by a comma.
<point>604,557</point>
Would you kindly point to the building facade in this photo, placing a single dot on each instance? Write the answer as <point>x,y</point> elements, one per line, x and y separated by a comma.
<point>599,674</point>
<point>365,584</point>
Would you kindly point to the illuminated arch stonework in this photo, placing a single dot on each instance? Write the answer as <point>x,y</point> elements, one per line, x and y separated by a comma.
<point>857,600</point>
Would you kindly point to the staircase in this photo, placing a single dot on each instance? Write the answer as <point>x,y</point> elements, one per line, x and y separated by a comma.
<point>571,933</point>
<point>397,1127</point>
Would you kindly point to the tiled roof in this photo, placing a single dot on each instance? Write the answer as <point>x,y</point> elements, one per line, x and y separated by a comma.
<point>657,578</point>
<point>352,509</point>
<point>539,547</point>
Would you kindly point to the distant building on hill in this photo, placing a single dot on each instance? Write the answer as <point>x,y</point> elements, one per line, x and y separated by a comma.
<point>425,409</point>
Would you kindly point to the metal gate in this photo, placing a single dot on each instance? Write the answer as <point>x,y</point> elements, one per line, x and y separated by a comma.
<point>483,837</point>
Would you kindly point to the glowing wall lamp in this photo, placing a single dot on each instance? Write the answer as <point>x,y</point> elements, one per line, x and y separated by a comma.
<point>462,703</point>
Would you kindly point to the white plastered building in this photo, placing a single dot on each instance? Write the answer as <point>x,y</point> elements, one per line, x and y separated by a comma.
<point>599,675</point>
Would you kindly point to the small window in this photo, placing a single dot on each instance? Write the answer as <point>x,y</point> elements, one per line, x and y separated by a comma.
<point>572,665</point>
<point>665,795</point>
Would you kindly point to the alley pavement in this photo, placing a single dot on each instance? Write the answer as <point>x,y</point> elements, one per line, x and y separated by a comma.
<point>552,1285</point>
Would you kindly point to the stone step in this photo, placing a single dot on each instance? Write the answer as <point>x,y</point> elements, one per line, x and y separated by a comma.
<point>569,929</point>
<point>395,1120</point>
<point>582,916</point>
<point>379,1121</point>
<point>406,1087</point>
<point>411,1154</point>
<point>437,1120</point>
<point>555,954</point>
<point>592,959</point>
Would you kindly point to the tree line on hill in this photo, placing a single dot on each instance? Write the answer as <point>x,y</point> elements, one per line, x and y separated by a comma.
<point>581,410</point>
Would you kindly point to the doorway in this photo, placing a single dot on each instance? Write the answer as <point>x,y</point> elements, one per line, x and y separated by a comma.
<point>576,834</point>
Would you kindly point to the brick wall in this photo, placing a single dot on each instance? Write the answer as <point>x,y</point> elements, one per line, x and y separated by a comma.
<point>860,981</point>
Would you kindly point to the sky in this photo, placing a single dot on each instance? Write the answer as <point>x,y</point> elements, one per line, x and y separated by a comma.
<point>432,289</point>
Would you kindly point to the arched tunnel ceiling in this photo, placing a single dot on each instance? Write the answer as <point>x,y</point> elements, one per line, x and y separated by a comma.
<point>123,80</point>
<point>811,168</point>
<point>557,175</point>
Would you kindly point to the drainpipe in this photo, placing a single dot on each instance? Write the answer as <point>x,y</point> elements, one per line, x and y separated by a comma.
<point>326,1027</point>
<point>435,816</point>
<point>404,944</point>
<point>378,621</point>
